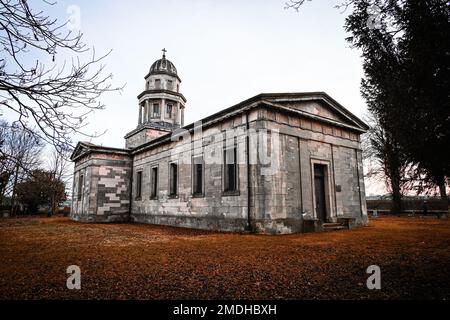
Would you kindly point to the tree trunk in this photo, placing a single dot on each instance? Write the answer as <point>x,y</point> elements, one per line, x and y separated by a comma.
<point>442,190</point>
<point>396,207</point>
<point>443,193</point>
<point>395,180</point>
<point>13,196</point>
<point>53,211</point>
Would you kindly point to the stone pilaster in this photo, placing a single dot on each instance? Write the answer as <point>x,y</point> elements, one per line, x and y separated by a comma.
<point>182,116</point>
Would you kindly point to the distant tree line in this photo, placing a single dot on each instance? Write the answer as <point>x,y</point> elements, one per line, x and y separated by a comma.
<point>405,49</point>
<point>26,181</point>
<point>49,100</point>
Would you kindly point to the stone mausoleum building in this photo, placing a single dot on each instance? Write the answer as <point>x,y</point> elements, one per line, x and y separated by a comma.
<point>274,163</point>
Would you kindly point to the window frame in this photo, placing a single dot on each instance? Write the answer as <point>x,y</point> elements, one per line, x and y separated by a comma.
<point>158,84</point>
<point>154,114</point>
<point>154,184</point>
<point>225,190</point>
<point>170,85</point>
<point>80,186</point>
<point>170,115</point>
<point>175,193</point>
<point>196,194</point>
<point>138,185</point>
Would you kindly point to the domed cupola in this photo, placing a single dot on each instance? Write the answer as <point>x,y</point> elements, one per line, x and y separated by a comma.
<point>163,66</point>
<point>161,105</point>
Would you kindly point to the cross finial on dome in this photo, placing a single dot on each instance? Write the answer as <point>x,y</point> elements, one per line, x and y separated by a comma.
<point>164,52</point>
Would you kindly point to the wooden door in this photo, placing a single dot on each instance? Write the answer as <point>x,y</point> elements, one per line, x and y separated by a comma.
<point>319,192</point>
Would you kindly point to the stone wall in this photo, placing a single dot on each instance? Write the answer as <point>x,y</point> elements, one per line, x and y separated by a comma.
<point>106,189</point>
<point>215,209</point>
<point>275,191</point>
<point>281,180</point>
<point>142,136</point>
<point>337,148</point>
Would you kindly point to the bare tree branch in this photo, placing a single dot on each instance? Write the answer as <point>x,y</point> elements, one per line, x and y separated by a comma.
<point>55,100</point>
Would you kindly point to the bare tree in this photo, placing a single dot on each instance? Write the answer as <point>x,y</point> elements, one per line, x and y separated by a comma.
<point>19,154</point>
<point>385,162</point>
<point>296,4</point>
<point>59,169</point>
<point>55,99</point>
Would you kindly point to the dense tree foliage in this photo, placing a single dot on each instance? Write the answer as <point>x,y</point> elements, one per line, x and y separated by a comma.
<point>41,188</point>
<point>406,60</point>
<point>20,153</point>
<point>386,162</point>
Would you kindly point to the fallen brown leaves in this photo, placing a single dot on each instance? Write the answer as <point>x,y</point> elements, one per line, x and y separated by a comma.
<point>129,261</point>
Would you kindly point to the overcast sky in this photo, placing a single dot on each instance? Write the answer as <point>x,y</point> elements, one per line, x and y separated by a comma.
<point>224,51</point>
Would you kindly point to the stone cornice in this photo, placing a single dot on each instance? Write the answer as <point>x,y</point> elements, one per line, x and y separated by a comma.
<point>162,91</point>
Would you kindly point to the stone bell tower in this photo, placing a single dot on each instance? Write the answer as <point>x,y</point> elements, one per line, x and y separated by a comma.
<point>161,105</point>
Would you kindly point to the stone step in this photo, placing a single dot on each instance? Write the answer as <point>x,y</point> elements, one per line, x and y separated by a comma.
<point>333,226</point>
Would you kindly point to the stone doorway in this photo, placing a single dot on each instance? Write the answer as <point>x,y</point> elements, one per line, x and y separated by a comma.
<point>319,192</point>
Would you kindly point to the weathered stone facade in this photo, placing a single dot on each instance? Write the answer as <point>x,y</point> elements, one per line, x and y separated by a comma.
<point>105,177</point>
<point>280,141</point>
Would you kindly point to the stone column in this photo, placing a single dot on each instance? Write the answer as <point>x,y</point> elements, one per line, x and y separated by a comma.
<point>163,108</point>
<point>145,112</point>
<point>140,114</point>
<point>182,115</point>
<point>147,106</point>
<point>177,114</point>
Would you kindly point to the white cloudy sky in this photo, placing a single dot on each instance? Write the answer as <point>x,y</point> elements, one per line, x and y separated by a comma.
<point>225,52</point>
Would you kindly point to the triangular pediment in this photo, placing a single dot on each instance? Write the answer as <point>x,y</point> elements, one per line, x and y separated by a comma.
<point>81,148</point>
<point>318,105</point>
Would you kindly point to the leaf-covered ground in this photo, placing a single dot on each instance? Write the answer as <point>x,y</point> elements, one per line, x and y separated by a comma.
<point>134,261</point>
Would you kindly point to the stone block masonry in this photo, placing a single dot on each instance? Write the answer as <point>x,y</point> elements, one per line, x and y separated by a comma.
<point>105,190</point>
<point>280,141</point>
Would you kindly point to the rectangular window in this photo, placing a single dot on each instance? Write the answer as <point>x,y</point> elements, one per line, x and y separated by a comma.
<point>80,186</point>
<point>169,110</point>
<point>156,112</point>
<point>154,183</point>
<point>230,170</point>
<point>173,179</point>
<point>169,85</point>
<point>197,176</point>
<point>138,184</point>
<point>157,83</point>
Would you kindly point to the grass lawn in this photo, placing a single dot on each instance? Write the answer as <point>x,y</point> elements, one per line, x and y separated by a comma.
<point>135,261</point>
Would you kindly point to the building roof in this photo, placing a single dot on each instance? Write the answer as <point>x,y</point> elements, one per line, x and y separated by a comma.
<point>274,101</point>
<point>163,66</point>
<point>83,148</point>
